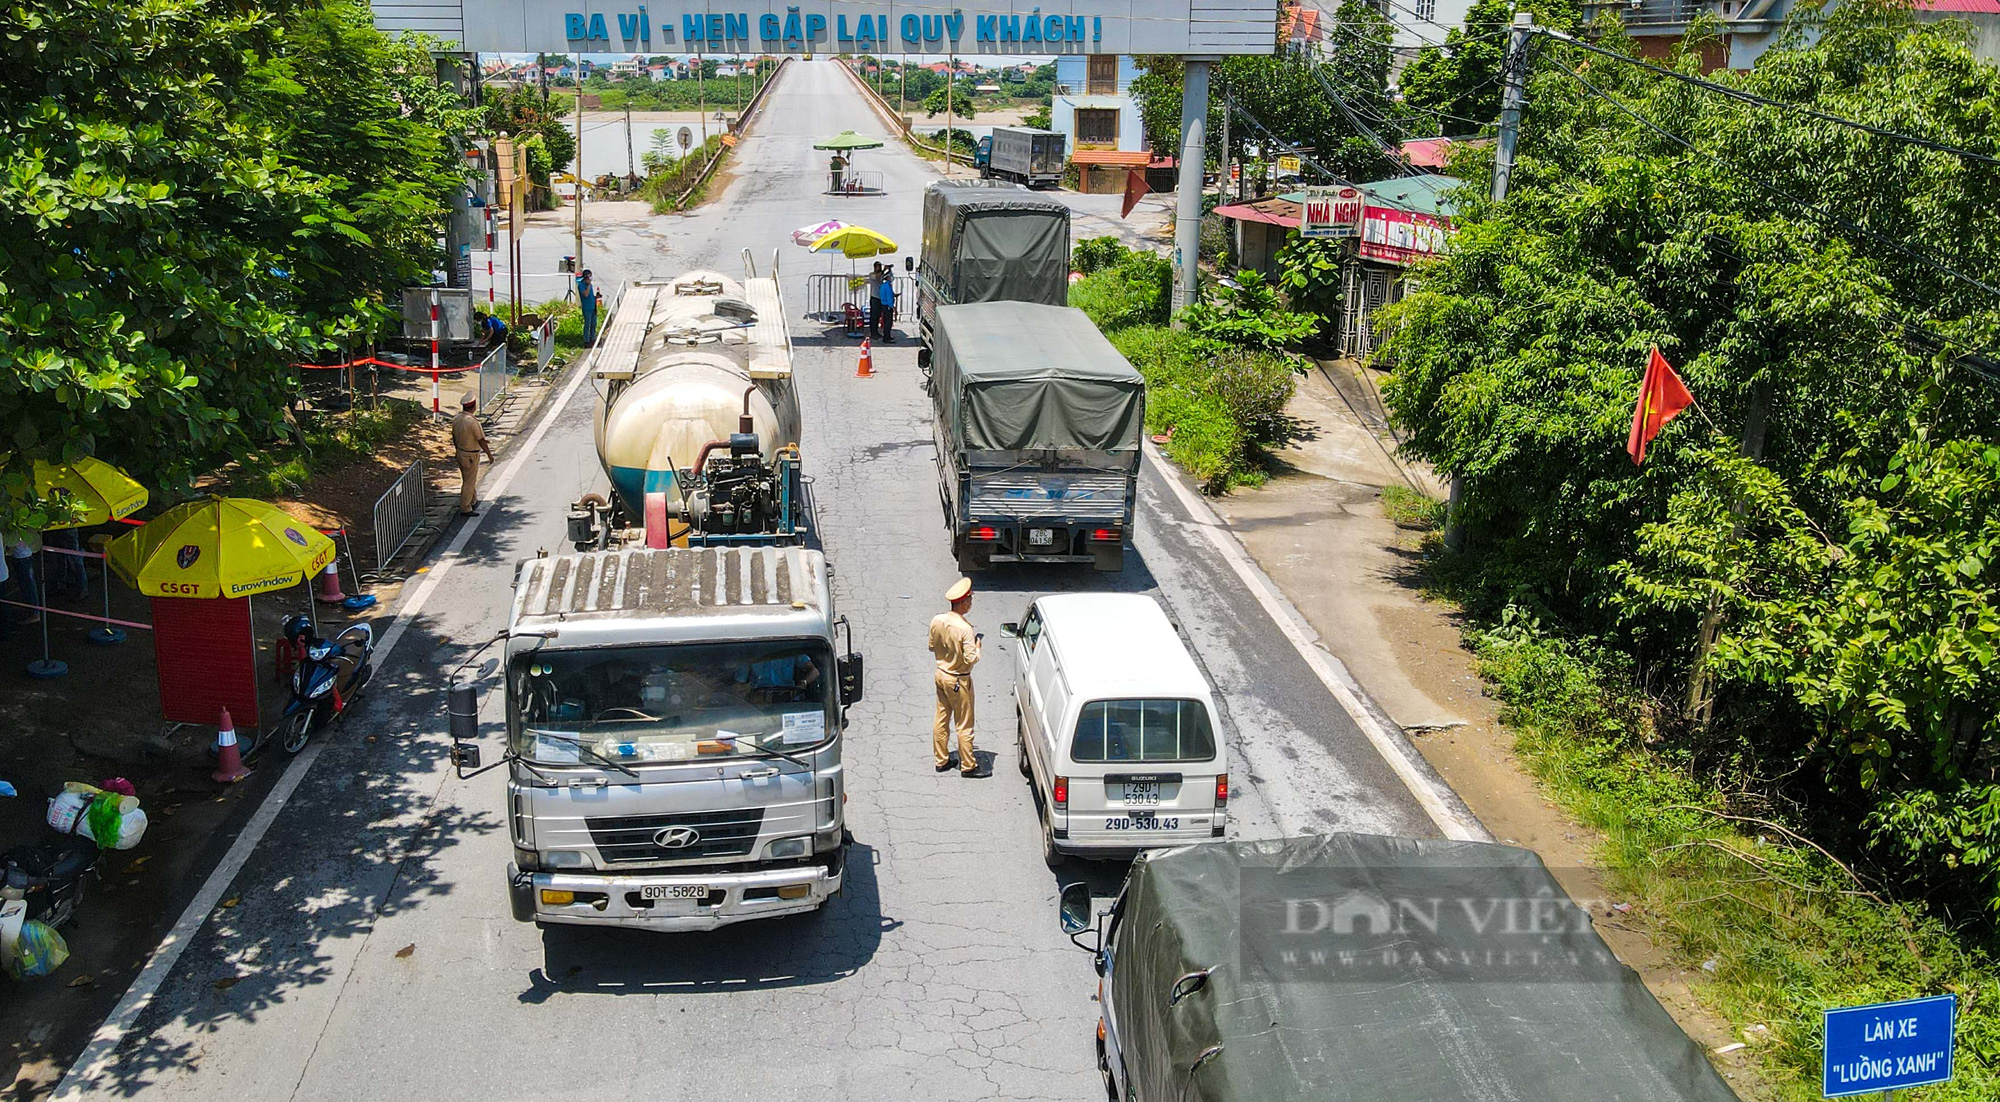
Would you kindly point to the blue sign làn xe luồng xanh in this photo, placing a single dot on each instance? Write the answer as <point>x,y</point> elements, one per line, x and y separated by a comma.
<point>1888,1046</point>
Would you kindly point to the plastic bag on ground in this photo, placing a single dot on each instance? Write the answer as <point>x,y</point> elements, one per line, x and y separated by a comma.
<point>39,951</point>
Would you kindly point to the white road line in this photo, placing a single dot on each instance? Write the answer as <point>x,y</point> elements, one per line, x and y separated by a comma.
<point>1437,801</point>
<point>99,1054</point>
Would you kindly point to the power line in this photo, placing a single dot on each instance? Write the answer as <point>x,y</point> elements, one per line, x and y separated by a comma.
<point>1977,360</point>
<point>1761,101</point>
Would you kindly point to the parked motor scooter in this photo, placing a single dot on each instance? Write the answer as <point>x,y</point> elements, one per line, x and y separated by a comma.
<point>325,678</point>
<point>43,882</point>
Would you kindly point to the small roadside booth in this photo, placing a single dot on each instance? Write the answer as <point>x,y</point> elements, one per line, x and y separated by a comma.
<point>203,563</point>
<point>1262,227</point>
<point>1404,221</point>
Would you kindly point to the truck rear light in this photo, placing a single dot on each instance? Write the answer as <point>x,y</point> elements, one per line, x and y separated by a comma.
<point>1059,793</point>
<point>984,535</point>
<point>1105,535</point>
<point>1221,789</point>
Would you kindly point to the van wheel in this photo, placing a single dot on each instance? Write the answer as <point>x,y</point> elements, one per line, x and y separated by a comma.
<point>1021,747</point>
<point>1051,856</point>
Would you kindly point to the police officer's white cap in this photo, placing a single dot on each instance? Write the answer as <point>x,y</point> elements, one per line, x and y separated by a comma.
<point>959,591</point>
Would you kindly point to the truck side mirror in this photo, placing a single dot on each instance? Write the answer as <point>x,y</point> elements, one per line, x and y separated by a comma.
<point>924,358</point>
<point>909,263</point>
<point>463,705</point>
<point>850,679</point>
<point>1074,908</point>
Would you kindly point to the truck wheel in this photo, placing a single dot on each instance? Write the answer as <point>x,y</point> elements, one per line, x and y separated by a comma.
<point>1109,560</point>
<point>1051,856</point>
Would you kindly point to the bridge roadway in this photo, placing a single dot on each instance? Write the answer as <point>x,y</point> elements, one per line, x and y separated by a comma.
<point>364,949</point>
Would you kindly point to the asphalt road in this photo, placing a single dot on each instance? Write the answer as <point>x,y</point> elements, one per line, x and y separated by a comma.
<point>365,949</point>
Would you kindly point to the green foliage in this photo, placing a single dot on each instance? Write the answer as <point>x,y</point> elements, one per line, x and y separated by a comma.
<point>1845,571</point>
<point>1125,286</point>
<point>1309,273</point>
<point>331,441</point>
<point>536,121</point>
<point>1249,314</point>
<point>1281,91</point>
<point>197,195</point>
<point>962,106</point>
<point>669,176</point>
<point>1455,88</point>
<point>1771,930</point>
<point>1409,508</point>
<point>1038,119</point>
<point>1220,403</point>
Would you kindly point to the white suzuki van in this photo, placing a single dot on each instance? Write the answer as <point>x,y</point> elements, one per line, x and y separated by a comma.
<point>1119,733</point>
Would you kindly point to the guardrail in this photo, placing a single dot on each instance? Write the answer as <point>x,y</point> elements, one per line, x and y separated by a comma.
<point>493,376</point>
<point>828,292</point>
<point>399,512</point>
<point>900,122</point>
<point>856,183</point>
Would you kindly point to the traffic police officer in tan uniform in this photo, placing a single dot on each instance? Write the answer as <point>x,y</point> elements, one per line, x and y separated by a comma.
<point>956,647</point>
<point>468,439</point>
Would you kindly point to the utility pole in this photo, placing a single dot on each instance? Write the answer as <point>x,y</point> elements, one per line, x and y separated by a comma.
<point>631,166</point>
<point>1188,189</point>
<point>701,97</point>
<point>1223,158</point>
<point>950,70</point>
<point>1513,90</point>
<point>577,172</point>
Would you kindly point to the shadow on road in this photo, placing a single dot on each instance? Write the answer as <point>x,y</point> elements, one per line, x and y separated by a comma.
<point>829,944</point>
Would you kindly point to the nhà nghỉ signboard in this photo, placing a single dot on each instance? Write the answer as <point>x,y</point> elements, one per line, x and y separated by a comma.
<point>1888,1046</point>
<point>1400,236</point>
<point>1330,212</point>
<point>1183,27</point>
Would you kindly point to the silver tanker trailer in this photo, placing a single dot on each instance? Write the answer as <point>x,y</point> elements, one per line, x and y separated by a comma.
<point>697,418</point>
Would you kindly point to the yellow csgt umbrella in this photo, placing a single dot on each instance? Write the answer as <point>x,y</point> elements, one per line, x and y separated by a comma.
<point>219,547</point>
<point>855,242</point>
<point>101,491</point>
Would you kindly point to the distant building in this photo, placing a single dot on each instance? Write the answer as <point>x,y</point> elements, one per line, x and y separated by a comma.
<point>1093,104</point>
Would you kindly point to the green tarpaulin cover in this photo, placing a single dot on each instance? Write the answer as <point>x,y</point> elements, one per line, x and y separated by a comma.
<point>1020,376</point>
<point>985,241</point>
<point>1360,968</point>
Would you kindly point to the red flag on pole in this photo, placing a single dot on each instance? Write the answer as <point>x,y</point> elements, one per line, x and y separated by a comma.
<point>1135,188</point>
<point>1661,395</point>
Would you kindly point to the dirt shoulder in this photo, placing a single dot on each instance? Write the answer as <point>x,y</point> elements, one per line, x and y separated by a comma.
<point>1318,528</point>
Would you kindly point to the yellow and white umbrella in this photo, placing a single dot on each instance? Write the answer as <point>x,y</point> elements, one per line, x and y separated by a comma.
<point>855,243</point>
<point>219,547</point>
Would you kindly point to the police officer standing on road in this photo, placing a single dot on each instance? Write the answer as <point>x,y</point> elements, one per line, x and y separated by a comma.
<point>956,647</point>
<point>468,439</point>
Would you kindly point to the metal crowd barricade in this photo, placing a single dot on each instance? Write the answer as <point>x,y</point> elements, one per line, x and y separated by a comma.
<point>493,377</point>
<point>399,512</point>
<point>545,344</point>
<point>855,183</point>
<point>828,292</point>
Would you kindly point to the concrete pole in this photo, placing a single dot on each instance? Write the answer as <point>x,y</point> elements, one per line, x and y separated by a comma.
<point>950,71</point>
<point>1513,90</point>
<point>1187,183</point>
<point>577,63</point>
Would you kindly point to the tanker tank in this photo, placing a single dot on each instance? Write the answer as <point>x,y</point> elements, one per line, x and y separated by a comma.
<point>697,422</point>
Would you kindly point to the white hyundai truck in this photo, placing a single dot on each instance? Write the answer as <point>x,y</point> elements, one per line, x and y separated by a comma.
<point>674,728</point>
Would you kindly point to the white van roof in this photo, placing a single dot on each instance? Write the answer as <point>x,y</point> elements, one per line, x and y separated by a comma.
<point>1120,639</point>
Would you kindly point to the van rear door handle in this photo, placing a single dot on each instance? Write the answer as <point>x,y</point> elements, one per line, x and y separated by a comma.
<point>758,774</point>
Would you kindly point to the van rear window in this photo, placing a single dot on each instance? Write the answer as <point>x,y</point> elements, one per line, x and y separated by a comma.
<point>1143,730</point>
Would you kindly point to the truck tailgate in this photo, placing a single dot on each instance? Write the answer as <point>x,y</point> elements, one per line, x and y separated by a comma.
<point>1066,495</point>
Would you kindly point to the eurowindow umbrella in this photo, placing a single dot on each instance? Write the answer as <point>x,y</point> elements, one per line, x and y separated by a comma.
<point>219,547</point>
<point>100,493</point>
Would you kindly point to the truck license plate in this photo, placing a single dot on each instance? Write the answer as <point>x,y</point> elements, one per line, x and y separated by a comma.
<point>673,891</point>
<point>1141,793</point>
<point>1041,537</point>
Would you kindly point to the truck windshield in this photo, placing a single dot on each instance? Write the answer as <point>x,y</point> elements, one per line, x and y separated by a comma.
<point>683,702</point>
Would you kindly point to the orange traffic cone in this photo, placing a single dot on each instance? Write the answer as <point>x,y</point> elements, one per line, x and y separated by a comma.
<point>228,759</point>
<point>329,584</point>
<point>867,368</point>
